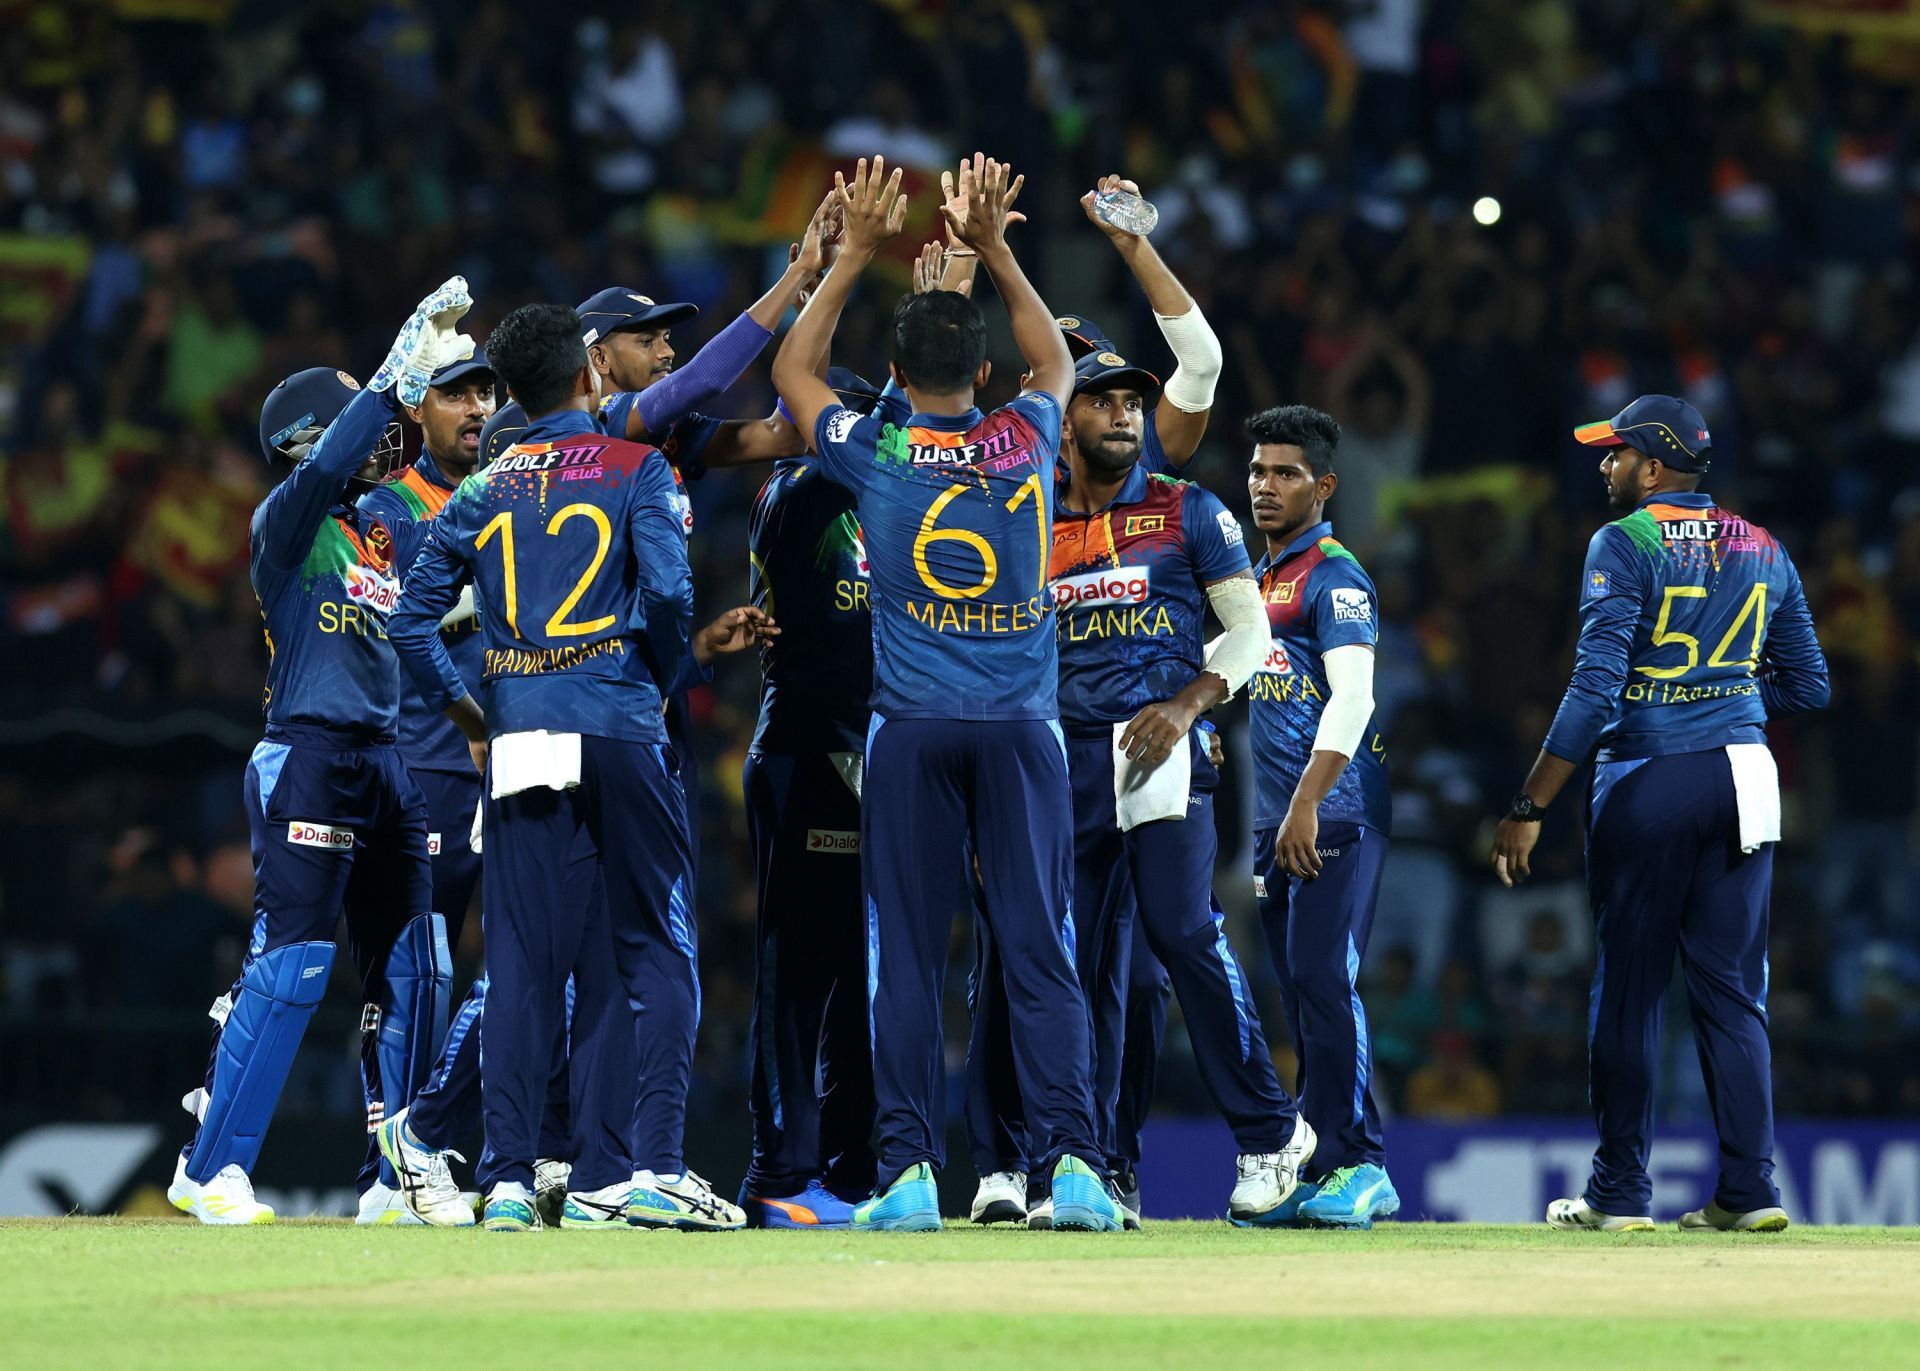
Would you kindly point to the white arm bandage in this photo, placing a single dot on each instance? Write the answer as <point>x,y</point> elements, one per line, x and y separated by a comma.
<point>462,610</point>
<point>1195,348</point>
<point>1236,654</point>
<point>1343,723</point>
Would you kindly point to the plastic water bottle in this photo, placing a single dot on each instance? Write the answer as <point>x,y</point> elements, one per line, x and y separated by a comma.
<point>1126,211</point>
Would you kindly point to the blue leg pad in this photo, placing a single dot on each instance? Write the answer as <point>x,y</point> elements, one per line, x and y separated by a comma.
<point>278,993</point>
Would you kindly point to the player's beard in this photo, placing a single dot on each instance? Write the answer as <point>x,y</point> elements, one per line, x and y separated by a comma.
<point>1111,457</point>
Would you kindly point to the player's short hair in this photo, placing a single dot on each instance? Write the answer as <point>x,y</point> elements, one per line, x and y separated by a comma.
<point>939,340</point>
<point>1316,434</point>
<point>537,351</point>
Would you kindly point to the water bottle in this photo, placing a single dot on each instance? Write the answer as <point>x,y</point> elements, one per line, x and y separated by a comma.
<point>1125,211</point>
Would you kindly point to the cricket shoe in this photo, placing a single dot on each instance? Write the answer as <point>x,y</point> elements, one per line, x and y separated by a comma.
<point>550,1179</point>
<point>1352,1197</point>
<point>605,1208</point>
<point>383,1206</point>
<point>1082,1203</point>
<point>510,1209</point>
<point>1040,1216</point>
<point>814,1207</point>
<point>1575,1214</point>
<point>910,1205</point>
<point>225,1199</point>
<point>1126,1189</point>
<point>680,1201</point>
<point>1288,1214</point>
<point>1266,1180</point>
<point>426,1183</point>
<point>1713,1218</point>
<point>1001,1198</point>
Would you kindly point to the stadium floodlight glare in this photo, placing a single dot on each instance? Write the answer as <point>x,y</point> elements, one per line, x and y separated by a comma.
<point>1486,211</point>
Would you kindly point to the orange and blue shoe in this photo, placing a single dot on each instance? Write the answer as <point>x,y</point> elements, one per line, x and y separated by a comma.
<point>814,1207</point>
<point>910,1205</point>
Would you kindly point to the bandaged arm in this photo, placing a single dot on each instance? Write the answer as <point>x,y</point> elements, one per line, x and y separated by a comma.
<point>1236,654</point>
<point>1197,351</point>
<point>1343,723</point>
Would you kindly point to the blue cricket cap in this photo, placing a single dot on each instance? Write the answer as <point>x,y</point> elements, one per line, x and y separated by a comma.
<point>453,371</point>
<point>307,399</point>
<point>1083,335</point>
<point>502,431</point>
<point>1655,426</point>
<point>617,308</point>
<point>1108,370</point>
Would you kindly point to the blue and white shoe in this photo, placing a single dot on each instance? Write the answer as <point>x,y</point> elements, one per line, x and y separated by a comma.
<point>1082,1201</point>
<point>510,1210</point>
<point>1352,1197</point>
<point>684,1201</point>
<point>1267,1180</point>
<point>603,1209</point>
<point>910,1205</point>
<point>814,1207</point>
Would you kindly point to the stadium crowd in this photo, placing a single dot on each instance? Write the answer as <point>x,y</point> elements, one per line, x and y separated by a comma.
<point>1460,227</point>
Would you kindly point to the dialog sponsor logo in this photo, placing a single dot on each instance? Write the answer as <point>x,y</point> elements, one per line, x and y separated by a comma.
<point>1123,585</point>
<point>1277,663</point>
<point>307,834</point>
<point>433,844</point>
<point>372,589</point>
<point>833,840</point>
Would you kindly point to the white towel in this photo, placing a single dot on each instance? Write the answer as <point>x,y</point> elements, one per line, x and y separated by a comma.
<point>1143,793</point>
<point>852,767</point>
<point>527,761</point>
<point>473,834</point>
<point>1756,794</point>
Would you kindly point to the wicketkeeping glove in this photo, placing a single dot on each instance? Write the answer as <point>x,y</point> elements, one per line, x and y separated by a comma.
<point>427,342</point>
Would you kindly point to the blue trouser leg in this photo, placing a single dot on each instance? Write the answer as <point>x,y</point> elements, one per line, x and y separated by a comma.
<point>1103,919</point>
<point>670,1018</point>
<point>447,1109</point>
<point>930,782</point>
<point>996,1120</point>
<point>451,798</point>
<point>1147,991</point>
<point>600,1062</point>
<point>1665,873</point>
<point>1317,933</point>
<point>810,1067</point>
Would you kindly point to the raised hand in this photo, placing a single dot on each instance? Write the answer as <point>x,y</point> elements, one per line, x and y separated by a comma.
<point>1101,187</point>
<point>810,254</point>
<point>953,204</point>
<point>428,341</point>
<point>986,186</point>
<point>874,209</point>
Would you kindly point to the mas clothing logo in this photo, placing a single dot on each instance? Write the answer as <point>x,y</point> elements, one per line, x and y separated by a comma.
<point>1124,585</point>
<point>1230,529</point>
<point>305,833</point>
<point>833,840</point>
<point>1351,606</point>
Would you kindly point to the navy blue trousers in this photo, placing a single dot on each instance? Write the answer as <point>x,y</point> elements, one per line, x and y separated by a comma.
<point>626,817</point>
<point>931,786</point>
<point>810,1059</point>
<point>1666,874</point>
<point>1317,933</point>
<point>451,799</point>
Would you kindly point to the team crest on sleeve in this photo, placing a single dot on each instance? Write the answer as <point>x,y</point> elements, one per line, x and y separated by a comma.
<point>1597,585</point>
<point>840,425</point>
<point>1351,605</point>
<point>347,380</point>
<point>1230,529</point>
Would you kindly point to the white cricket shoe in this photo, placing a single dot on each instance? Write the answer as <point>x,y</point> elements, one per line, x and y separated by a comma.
<point>605,1208</point>
<point>1001,1198</point>
<point>382,1205</point>
<point>1715,1219</point>
<point>550,1180</point>
<point>1040,1217</point>
<point>682,1201</point>
<point>427,1187</point>
<point>1265,1180</point>
<point>226,1199</point>
<point>1570,1215</point>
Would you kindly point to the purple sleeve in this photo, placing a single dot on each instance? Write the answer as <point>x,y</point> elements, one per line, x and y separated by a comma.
<point>704,379</point>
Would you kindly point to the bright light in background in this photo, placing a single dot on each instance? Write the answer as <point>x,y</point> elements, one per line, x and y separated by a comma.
<point>1486,211</point>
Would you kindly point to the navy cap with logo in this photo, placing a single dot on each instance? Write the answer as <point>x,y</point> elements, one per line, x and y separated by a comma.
<point>1655,426</point>
<point>1108,370</point>
<point>466,366</point>
<point>617,308</point>
<point>1083,335</point>
<point>307,399</point>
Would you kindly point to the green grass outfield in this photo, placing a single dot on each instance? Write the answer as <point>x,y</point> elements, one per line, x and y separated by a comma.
<point>93,1293</point>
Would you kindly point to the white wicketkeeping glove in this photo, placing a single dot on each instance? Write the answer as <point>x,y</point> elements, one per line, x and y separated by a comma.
<point>428,341</point>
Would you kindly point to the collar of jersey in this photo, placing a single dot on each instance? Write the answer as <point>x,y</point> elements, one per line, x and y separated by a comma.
<point>1304,540</point>
<point>1688,499</point>
<point>562,423</point>
<point>429,468</point>
<point>1132,491</point>
<point>952,423</point>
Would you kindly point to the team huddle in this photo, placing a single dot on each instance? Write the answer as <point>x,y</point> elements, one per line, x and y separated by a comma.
<point>986,676</point>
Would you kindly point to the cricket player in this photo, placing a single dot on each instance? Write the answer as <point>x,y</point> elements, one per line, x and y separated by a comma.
<point>1321,808</point>
<point>810,1056</point>
<point>965,743</point>
<point>574,543</point>
<point>1694,632</point>
<point>337,823</point>
<point>458,402</point>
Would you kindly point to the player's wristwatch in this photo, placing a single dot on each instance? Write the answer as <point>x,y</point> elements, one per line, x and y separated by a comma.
<point>1524,810</point>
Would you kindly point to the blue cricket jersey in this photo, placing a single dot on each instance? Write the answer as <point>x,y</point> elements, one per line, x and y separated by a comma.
<point>405,506</point>
<point>957,515</point>
<point>1318,598</point>
<point>897,409</point>
<point>325,579</point>
<point>1694,631</point>
<point>808,569</point>
<point>573,541</point>
<point>1130,594</point>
